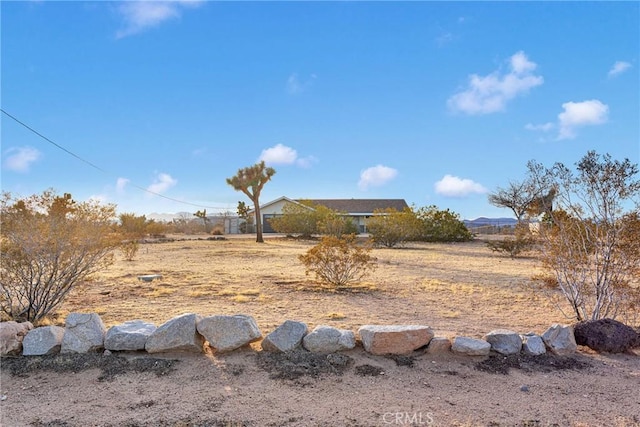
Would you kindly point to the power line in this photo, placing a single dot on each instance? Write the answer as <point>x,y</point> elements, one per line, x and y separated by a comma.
<point>101,169</point>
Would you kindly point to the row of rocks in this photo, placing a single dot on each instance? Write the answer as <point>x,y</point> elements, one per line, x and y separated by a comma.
<point>85,332</point>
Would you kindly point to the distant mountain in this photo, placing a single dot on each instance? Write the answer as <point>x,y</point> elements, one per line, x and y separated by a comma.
<point>483,222</point>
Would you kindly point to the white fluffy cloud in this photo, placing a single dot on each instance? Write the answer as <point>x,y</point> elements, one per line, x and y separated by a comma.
<point>618,68</point>
<point>453,186</point>
<point>162,183</point>
<point>280,154</point>
<point>20,159</point>
<point>376,176</point>
<point>578,114</point>
<point>489,94</point>
<point>139,16</point>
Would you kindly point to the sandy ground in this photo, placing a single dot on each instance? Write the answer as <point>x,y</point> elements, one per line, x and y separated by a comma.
<point>457,289</point>
<point>241,389</point>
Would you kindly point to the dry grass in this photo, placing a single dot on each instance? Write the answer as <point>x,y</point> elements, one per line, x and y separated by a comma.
<point>455,288</point>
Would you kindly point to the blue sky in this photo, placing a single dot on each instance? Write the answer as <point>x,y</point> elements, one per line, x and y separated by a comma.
<point>437,103</point>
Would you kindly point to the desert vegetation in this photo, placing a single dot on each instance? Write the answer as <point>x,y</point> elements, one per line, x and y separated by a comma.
<point>582,259</point>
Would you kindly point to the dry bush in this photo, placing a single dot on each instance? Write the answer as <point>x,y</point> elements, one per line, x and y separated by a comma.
<point>338,262</point>
<point>49,245</point>
<point>130,249</point>
<point>521,241</point>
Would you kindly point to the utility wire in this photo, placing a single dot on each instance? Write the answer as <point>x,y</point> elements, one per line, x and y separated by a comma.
<point>99,168</point>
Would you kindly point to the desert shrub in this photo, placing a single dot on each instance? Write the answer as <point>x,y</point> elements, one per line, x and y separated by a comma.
<point>441,226</point>
<point>590,243</point>
<point>130,249</point>
<point>49,245</point>
<point>334,224</point>
<point>390,227</point>
<point>297,219</point>
<point>338,261</point>
<point>521,241</point>
<point>304,219</point>
<point>138,226</point>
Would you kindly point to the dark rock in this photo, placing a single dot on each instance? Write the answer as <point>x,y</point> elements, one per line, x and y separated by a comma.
<point>606,335</point>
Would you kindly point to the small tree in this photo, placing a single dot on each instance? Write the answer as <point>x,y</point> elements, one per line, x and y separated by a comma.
<point>338,262</point>
<point>243,213</point>
<point>205,220</point>
<point>390,227</point>
<point>250,181</point>
<point>441,226</point>
<point>589,249</point>
<point>518,197</point>
<point>49,245</point>
<point>299,218</point>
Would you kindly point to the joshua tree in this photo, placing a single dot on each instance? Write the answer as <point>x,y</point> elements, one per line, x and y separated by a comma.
<point>250,181</point>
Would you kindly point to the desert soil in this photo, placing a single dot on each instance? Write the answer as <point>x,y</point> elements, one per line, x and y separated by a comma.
<point>457,289</point>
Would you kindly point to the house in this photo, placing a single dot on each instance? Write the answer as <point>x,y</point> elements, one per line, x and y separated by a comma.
<point>358,210</point>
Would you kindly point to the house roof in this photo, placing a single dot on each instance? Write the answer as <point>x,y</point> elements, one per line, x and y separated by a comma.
<point>360,205</point>
<point>351,206</point>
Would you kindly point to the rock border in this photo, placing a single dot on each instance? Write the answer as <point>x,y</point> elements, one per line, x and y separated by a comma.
<point>224,333</point>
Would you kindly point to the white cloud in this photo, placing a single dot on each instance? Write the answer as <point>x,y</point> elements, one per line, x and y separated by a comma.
<point>19,159</point>
<point>121,183</point>
<point>376,176</point>
<point>296,86</point>
<point>162,183</point>
<point>491,93</point>
<point>279,155</point>
<point>545,127</point>
<point>578,114</point>
<point>453,186</point>
<point>618,68</point>
<point>139,16</point>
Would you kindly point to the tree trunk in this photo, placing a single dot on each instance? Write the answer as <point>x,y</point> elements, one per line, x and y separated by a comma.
<point>259,238</point>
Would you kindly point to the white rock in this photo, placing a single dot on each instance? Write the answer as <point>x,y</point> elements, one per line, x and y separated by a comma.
<point>560,340</point>
<point>227,333</point>
<point>504,341</point>
<point>286,337</point>
<point>327,339</point>
<point>131,335</point>
<point>43,340</point>
<point>533,345</point>
<point>84,332</point>
<point>177,334</point>
<point>470,346</point>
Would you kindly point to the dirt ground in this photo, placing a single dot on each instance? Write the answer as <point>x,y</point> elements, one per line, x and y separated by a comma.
<point>457,289</point>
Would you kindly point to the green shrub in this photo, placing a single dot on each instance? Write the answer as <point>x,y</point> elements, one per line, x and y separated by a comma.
<point>390,227</point>
<point>441,226</point>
